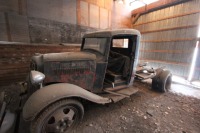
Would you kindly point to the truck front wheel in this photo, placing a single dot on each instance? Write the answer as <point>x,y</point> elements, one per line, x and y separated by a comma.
<point>61,116</point>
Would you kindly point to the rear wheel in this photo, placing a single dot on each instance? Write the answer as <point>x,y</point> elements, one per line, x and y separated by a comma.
<point>162,82</point>
<point>60,117</point>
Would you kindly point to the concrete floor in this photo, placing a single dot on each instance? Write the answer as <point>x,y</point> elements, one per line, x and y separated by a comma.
<point>180,89</point>
<point>185,82</point>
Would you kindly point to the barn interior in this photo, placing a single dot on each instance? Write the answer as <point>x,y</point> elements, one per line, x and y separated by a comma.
<point>170,35</point>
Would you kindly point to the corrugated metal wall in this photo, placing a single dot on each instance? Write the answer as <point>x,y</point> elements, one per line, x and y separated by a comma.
<point>169,37</point>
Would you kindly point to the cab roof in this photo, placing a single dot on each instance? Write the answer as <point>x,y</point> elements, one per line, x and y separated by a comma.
<point>110,33</point>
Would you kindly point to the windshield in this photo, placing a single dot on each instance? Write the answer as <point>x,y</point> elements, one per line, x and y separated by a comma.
<point>97,44</point>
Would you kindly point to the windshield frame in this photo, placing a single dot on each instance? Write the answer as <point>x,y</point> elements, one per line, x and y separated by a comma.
<point>94,50</point>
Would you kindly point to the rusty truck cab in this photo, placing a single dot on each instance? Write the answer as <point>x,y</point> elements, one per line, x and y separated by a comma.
<point>102,72</point>
<point>111,49</point>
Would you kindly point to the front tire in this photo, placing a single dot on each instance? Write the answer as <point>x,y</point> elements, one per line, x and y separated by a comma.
<point>60,117</point>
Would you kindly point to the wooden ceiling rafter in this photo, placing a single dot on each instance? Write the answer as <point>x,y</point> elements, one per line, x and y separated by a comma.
<point>157,6</point>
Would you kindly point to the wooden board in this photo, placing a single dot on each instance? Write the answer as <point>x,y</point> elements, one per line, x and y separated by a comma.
<point>15,59</point>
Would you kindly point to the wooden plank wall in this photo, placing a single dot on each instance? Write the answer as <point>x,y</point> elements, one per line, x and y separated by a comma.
<point>15,59</point>
<point>169,37</point>
<point>94,13</point>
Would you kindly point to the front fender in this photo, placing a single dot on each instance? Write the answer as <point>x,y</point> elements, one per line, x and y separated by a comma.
<point>51,93</point>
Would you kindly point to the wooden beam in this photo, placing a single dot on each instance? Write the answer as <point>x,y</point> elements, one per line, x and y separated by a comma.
<point>170,62</point>
<point>167,62</point>
<point>134,19</point>
<point>7,26</point>
<point>172,40</point>
<point>14,66</point>
<point>20,7</point>
<point>4,82</point>
<point>168,51</point>
<point>170,17</point>
<point>157,6</point>
<point>78,12</point>
<point>172,28</point>
<point>15,71</point>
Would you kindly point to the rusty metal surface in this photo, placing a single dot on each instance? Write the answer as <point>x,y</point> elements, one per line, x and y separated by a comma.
<point>123,93</point>
<point>69,67</point>
<point>49,94</point>
<point>99,77</point>
<point>111,33</point>
<point>78,72</point>
<point>67,56</point>
<point>85,69</point>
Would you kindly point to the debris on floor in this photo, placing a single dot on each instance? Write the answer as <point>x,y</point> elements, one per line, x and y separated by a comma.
<point>144,112</point>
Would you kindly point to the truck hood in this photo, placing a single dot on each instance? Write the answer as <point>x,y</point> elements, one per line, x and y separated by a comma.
<point>67,56</point>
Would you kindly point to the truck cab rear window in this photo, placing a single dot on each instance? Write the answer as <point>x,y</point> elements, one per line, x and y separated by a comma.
<point>120,43</point>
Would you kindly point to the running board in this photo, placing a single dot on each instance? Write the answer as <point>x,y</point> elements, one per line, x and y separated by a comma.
<point>116,96</point>
<point>116,93</point>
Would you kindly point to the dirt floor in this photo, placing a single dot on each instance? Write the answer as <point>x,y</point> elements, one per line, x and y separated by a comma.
<point>146,111</point>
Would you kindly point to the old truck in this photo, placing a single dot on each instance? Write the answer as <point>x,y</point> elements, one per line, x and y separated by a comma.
<point>102,72</point>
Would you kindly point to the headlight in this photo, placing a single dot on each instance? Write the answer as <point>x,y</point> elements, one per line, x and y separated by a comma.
<point>36,77</point>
